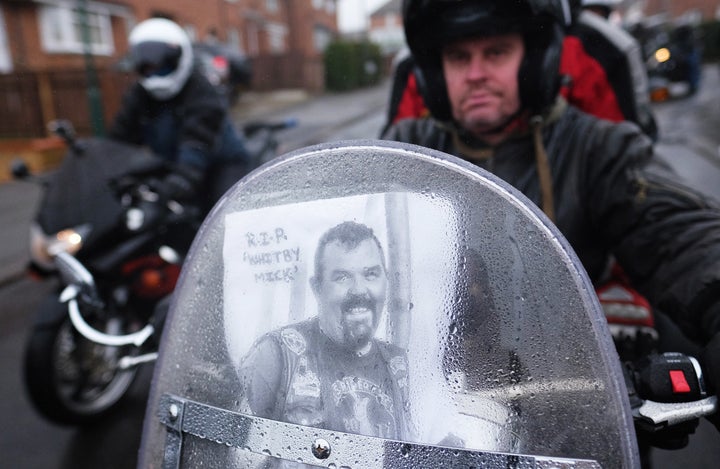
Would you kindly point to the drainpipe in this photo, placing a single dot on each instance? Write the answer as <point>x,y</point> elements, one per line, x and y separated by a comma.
<point>93,87</point>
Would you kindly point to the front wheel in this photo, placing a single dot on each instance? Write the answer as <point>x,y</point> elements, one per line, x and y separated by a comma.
<point>69,379</point>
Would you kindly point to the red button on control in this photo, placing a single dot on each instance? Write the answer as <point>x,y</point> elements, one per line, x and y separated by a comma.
<point>679,383</point>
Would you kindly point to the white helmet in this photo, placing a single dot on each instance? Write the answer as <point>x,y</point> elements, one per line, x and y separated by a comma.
<point>162,54</point>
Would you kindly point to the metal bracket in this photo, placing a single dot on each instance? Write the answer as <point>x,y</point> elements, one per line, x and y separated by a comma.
<point>316,446</point>
<point>171,413</point>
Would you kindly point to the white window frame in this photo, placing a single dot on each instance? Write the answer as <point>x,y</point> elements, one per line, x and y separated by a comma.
<point>191,31</point>
<point>235,40</point>
<point>321,38</point>
<point>330,7</point>
<point>272,5</point>
<point>57,17</point>
<point>6,64</point>
<point>276,37</point>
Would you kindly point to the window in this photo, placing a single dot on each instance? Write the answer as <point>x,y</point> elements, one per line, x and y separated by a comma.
<point>191,31</point>
<point>63,29</point>
<point>321,38</point>
<point>276,37</point>
<point>272,5</point>
<point>330,7</point>
<point>317,4</point>
<point>5,62</point>
<point>235,40</point>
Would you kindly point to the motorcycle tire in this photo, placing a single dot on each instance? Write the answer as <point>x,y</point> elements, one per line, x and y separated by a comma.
<point>70,380</point>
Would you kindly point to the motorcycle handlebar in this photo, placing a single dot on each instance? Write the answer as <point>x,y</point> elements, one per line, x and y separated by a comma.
<point>667,396</point>
<point>256,126</point>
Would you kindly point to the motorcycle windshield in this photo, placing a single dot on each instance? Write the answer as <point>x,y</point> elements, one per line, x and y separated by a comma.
<point>375,304</point>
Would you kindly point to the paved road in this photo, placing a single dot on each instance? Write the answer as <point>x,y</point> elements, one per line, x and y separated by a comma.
<point>690,141</point>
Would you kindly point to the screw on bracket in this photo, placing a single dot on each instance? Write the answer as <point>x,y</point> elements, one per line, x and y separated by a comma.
<point>321,449</point>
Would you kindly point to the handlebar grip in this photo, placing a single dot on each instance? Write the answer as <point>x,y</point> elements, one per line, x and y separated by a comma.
<point>669,377</point>
<point>667,396</point>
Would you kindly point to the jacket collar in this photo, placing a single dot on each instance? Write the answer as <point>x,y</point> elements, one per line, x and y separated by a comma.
<point>474,148</point>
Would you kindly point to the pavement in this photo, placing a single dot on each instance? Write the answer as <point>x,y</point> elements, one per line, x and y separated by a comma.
<point>318,117</point>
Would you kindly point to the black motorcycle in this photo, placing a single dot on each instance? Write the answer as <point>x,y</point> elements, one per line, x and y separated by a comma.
<point>115,244</point>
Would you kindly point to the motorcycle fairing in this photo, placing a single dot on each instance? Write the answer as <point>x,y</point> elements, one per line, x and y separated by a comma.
<point>81,192</point>
<point>506,348</point>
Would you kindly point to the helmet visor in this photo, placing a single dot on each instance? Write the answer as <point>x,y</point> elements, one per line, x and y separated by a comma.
<point>154,58</point>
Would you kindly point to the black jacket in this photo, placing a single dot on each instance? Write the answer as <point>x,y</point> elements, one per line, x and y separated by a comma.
<point>611,197</point>
<point>195,121</point>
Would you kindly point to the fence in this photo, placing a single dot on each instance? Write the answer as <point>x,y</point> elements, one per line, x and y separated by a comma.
<point>273,72</point>
<point>28,100</point>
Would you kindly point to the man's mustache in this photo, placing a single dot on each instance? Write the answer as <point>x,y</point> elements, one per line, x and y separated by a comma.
<point>481,87</point>
<point>357,301</point>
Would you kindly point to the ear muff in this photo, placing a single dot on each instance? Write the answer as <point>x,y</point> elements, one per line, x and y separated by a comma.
<point>432,88</point>
<point>539,75</point>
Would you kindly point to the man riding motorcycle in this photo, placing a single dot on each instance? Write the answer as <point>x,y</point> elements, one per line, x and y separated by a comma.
<point>585,84</point>
<point>174,110</point>
<point>491,69</point>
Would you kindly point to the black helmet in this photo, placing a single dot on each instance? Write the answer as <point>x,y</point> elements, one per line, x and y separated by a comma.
<point>431,24</point>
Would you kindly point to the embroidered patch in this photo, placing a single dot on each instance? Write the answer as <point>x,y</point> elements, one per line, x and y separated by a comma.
<point>398,365</point>
<point>294,340</point>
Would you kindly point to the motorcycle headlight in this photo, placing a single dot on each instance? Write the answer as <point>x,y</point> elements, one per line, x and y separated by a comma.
<point>43,247</point>
<point>662,55</point>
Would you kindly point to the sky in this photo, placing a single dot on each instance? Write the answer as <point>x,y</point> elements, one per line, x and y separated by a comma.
<point>352,14</point>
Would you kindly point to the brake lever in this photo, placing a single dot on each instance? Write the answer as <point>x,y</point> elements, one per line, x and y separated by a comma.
<point>659,415</point>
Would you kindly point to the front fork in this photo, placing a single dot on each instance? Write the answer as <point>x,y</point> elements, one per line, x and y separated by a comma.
<point>81,282</point>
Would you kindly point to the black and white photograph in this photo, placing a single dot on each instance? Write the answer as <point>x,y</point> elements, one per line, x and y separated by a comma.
<point>341,300</point>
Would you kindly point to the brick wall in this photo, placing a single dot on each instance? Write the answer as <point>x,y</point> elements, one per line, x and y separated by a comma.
<point>675,8</point>
<point>52,85</point>
<point>248,18</point>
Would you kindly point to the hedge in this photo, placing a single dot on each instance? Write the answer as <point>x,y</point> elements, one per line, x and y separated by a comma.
<point>710,32</point>
<point>350,65</point>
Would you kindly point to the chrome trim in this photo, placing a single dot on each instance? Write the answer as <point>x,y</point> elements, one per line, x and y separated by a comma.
<point>674,413</point>
<point>132,361</point>
<point>72,270</point>
<point>699,374</point>
<point>136,338</point>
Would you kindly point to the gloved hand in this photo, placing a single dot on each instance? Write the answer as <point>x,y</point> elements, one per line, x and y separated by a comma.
<point>711,369</point>
<point>181,184</point>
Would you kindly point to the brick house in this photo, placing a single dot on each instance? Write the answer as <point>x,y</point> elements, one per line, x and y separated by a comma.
<point>41,41</point>
<point>704,10</point>
<point>386,27</point>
